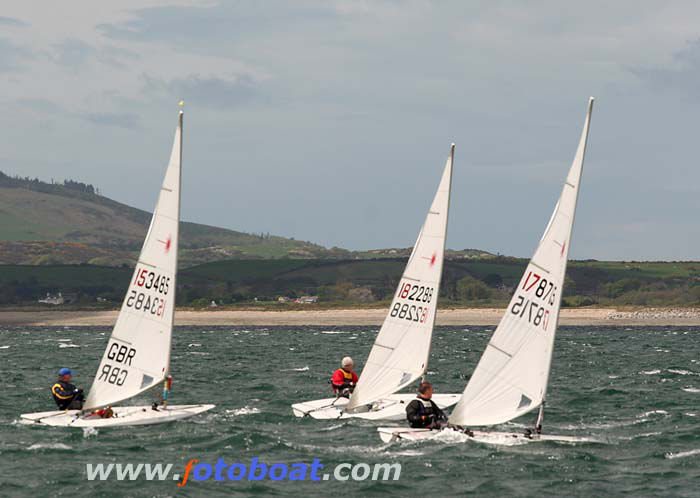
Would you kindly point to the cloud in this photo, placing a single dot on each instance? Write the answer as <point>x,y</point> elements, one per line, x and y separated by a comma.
<point>682,76</point>
<point>361,100</point>
<point>213,92</point>
<point>75,54</point>
<point>12,22</point>
<point>119,120</point>
<point>13,57</point>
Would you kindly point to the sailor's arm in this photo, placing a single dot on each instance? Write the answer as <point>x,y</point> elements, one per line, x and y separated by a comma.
<point>412,413</point>
<point>61,393</point>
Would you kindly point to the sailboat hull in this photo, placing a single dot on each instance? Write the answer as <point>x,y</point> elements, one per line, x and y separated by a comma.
<point>392,434</point>
<point>390,408</point>
<point>123,416</point>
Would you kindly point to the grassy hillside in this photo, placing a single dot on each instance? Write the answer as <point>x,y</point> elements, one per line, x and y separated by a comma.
<point>46,223</point>
<point>70,223</point>
<point>466,282</point>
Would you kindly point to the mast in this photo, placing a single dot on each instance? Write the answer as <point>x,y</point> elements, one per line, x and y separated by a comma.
<point>444,245</point>
<point>177,246</point>
<point>579,160</point>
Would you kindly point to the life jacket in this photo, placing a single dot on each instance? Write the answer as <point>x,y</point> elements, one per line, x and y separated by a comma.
<point>425,407</point>
<point>347,376</point>
<point>348,380</point>
<point>63,393</point>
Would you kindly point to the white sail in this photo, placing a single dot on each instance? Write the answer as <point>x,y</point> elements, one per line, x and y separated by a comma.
<point>511,376</point>
<point>400,352</point>
<point>138,353</point>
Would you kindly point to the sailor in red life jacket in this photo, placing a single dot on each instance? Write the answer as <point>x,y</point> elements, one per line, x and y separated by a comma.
<point>344,379</point>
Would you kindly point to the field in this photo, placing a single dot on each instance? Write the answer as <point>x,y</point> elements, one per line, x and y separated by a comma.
<point>467,282</point>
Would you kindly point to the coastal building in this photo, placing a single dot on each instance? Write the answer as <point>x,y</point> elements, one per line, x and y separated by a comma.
<point>55,300</point>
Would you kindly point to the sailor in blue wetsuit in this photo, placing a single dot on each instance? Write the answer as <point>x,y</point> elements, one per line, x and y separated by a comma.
<point>65,394</point>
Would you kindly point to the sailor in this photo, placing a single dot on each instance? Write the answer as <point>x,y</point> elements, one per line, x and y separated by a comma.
<point>65,394</point>
<point>344,379</point>
<point>422,412</point>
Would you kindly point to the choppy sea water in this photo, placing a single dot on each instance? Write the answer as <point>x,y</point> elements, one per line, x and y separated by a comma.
<point>637,390</point>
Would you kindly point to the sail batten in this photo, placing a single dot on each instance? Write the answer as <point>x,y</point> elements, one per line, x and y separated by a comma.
<point>512,375</point>
<point>137,356</point>
<point>400,352</point>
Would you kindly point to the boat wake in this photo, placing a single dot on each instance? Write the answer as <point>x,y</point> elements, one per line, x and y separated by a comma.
<point>246,410</point>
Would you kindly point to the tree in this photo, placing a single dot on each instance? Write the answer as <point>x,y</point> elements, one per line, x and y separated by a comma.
<point>471,289</point>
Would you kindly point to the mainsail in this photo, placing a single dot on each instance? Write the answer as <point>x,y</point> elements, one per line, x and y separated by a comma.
<point>138,353</point>
<point>511,377</point>
<point>400,352</point>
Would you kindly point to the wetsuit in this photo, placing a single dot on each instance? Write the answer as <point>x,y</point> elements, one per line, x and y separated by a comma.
<point>67,396</point>
<point>343,382</point>
<point>422,413</point>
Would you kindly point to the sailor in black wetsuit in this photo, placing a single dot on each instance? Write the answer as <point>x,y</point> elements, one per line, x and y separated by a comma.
<point>422,412</point>
<point>65,394</point>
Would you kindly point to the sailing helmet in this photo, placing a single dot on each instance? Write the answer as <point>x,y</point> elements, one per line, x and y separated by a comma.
<point>347,361</point>
<point>65,371</point>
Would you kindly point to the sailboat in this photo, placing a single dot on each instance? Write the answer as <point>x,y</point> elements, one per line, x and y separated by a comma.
<point>400,352</point>
<point>511,377</point>
<point>137,356</point>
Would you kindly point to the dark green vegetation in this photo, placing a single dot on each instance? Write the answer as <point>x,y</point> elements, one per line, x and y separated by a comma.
<point>466,282</point>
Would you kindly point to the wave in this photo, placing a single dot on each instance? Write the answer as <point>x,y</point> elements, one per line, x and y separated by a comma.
<point>246,410</point>
<point>300,369</point>
<point>4,347</point>
<point>682,454</point>
<point>691,389</point>
<point>194,345</point>
<point>49,446</point>
<point>650,372</point>
<point>89,432</point>
<point>331,428</point>
<point>64,345</point>
<point>681,372</point>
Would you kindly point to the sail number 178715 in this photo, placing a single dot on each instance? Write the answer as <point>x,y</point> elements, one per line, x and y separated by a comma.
<point>532,307</point>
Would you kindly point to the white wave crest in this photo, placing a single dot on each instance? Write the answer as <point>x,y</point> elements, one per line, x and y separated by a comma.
<point>49,446</point>
<point>682,454</point>
<point>681,372</point>
<point>246,410</point>
<point>89,432</point>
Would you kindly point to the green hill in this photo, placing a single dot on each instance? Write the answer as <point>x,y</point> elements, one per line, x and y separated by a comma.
<point>45,223</point>
<point>71,223</point>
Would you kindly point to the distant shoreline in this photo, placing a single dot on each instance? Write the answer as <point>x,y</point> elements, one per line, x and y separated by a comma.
<point>366,317</point>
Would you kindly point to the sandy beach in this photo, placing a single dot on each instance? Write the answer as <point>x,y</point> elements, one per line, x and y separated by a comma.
<point>371,317</point>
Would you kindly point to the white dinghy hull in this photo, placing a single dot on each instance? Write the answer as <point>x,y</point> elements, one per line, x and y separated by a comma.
<point>123,416</point>
<point>392,434</point>
<point>392,407</point>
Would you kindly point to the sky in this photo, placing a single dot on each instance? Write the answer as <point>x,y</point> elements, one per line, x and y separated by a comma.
<point>330,121</point>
